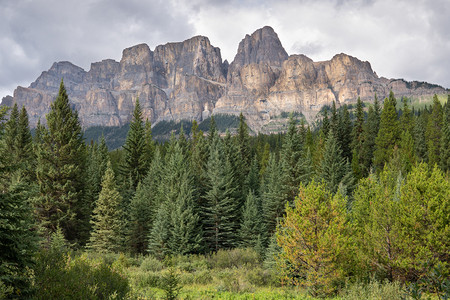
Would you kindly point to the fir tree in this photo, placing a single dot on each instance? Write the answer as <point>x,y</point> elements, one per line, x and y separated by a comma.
<point>107,221</point>
<point>325,122</point>
<point>252,181</point>
<point>61,173</point>
<point>388,134</point>
<point>159,235</point>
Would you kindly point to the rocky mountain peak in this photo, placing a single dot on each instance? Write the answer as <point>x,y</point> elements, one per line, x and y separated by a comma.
<point>263,46</point>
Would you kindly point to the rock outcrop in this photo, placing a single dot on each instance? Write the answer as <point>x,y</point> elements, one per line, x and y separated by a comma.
<point>188,80</point>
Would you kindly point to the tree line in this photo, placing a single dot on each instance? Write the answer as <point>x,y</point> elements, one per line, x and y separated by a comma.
<point>349,199</point>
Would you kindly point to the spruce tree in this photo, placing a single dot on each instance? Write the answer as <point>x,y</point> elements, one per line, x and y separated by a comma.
<point>358,141</point>
<point>135,164</point>
<point>144,206</point>
<point>24,146</point>
<point>292,162</point>
<point>219,214</point>
<point>60,173</point>
<point>388,134</point>
<point>18,240</point>
<point>334,169</point>
<point>107,219</point>
<point>273,201</point>
<point>252,181</point>
<point>325,122</point>
<point>344,132</point>
<point>251,230</point>
<point>158,239</point>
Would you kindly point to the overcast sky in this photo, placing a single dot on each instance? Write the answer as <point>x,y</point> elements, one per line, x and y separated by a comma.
<point>407,39</point>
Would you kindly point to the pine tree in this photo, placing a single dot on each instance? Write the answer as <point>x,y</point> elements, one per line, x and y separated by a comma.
<point>375,217</point>
<point>135,164</point>
<point>220,211</point>
<point>97,161</point>
<point>149,143</point>
<point>107,221</point>
<point>325,122</point>
<point>433,132</point>
<point>388,134</point>
<point>61,173</point>
<point>251,230</point>
<point>370,129</point>
<point>313,240</point>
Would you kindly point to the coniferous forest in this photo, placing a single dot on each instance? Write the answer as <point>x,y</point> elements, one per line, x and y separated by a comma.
<point>355,207</point>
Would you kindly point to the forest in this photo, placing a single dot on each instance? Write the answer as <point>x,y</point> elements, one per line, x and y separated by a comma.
<point>356,207</point>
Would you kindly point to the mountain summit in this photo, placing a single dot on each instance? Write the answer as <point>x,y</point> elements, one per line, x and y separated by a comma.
<point>188,80</point>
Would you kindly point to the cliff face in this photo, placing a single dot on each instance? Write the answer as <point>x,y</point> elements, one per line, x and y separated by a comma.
<point>188,80</point>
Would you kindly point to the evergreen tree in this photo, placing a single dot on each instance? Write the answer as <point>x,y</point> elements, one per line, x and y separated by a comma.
<point>244,143</point>
<point>149,143</point>
<point>358,141</point>
<point>252,181</point>
<point>388,134</point>
<point>313,240</point>
<point>433,132</point>
<point>144,206</point>
<point>420,144</point>
<point>220,211</point>
<point>24,146</point>
<point>251,230</point>
<point>325,122</point>
<point>370,129</point>
<point>18,240</point>
<point>96,167</point>
<point>292,162</point>
<point>159,234</point>
<point>344,133</point>
<point>135,164</point>
<point>273,202</point>
<point>334,169</point>
<point>445,138</point>
<point>61,173</point>
<point>107,221</point>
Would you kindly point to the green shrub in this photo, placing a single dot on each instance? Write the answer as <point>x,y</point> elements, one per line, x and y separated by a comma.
<point>222,259</point>
<point>189,263</point>
<point>373,291</point>
<point>233,280</point>
<point>146,279</point>
<point>150,263</point>
<point>262,277</point>
<point>65,276</point>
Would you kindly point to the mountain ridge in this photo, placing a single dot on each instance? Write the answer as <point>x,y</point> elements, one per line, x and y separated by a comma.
<point>189,81</point>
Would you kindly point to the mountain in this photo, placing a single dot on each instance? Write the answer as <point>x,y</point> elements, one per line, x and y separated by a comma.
<point>188,80</point>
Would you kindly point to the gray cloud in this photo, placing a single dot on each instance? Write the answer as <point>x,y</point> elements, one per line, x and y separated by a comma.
<point>401,39</point>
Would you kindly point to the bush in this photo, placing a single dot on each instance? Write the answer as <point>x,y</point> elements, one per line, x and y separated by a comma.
<point>234,258</point>
<point>233,280</point>
<point>261,277</point>
<point>146,279</point>
<point>151,264</point>
<point>189,263</point>
<point>65,276</point>
<point>373,291</point>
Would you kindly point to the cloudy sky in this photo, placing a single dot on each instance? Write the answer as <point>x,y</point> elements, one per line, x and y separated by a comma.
<point>407,39</point>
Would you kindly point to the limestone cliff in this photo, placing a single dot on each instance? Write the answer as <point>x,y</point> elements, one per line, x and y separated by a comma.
<point>188,80</point>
